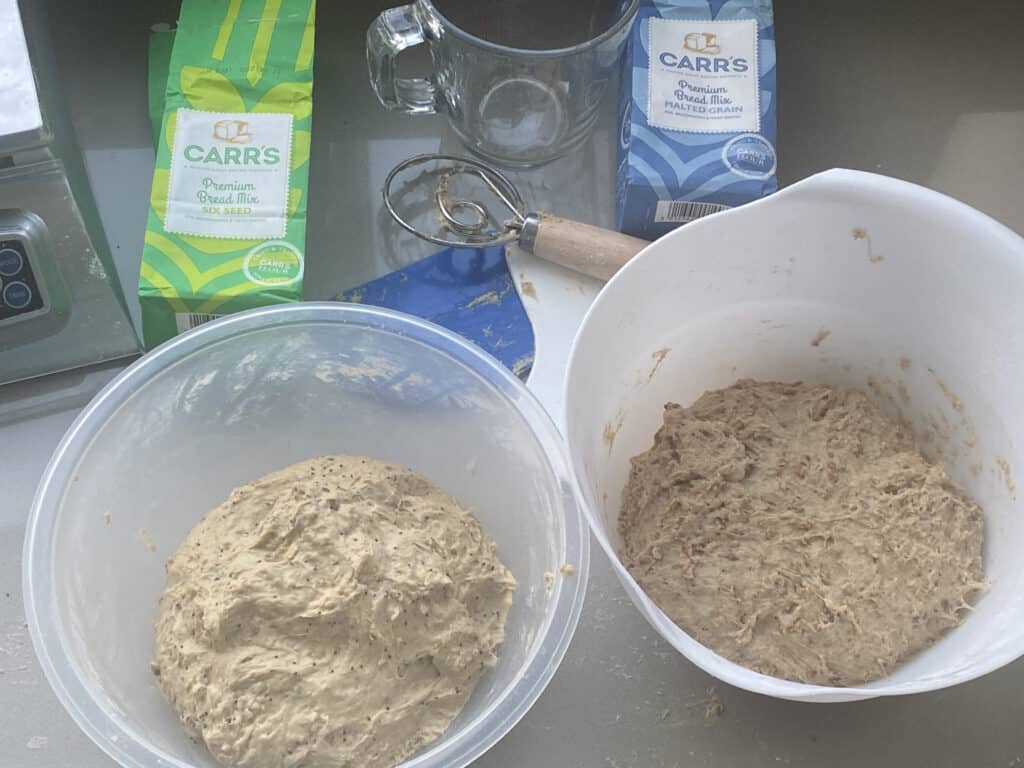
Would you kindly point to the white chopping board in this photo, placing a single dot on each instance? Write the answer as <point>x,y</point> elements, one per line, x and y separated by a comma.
<point>579,186</point>
<point>555,300</point>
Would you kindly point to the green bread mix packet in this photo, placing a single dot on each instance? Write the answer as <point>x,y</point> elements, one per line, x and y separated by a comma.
<point>227,219</point>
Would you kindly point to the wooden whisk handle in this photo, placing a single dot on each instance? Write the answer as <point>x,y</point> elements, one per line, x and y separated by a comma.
<point>581,247</point>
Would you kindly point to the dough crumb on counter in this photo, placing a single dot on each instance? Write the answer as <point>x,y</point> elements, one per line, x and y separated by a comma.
<point>713,707</point>
<point>147,540</point>
<point>338,612</point>
<point>797,531</point>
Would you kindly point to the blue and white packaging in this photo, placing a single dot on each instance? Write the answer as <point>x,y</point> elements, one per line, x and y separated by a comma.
<point>698,112</point>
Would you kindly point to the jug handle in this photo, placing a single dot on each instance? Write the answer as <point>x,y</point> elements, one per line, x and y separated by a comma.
<point>392,32</point>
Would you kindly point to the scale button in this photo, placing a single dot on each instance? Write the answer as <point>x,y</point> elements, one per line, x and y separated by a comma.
<point>17,295</point>
<point>11,262</point>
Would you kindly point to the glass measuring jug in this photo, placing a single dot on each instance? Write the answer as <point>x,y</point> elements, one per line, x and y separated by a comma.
<point>512,105</point>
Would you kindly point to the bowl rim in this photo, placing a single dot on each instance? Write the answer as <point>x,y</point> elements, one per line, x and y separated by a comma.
<point>83,699</point>
<point>836,182</point>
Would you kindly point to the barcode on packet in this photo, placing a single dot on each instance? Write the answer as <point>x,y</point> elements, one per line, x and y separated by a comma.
<point>186,321</point>
<point>681,211</point>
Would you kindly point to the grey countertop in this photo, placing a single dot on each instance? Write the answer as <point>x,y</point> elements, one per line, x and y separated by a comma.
<point>930,91</point>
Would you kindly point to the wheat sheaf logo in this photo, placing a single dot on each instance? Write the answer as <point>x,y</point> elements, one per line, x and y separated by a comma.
<point>232,131</point>
<point>702,42</point>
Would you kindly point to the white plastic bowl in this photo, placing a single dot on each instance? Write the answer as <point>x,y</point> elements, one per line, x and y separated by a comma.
<point>922,298</point>
<point>220,406</point>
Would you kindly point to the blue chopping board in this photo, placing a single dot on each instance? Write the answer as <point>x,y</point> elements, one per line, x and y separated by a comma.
<point>466,290</point>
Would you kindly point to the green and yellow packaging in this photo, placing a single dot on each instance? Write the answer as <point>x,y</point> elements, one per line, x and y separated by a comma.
<point>227,218</point>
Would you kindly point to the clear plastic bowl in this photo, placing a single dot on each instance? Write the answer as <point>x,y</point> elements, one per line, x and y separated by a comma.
<point>250,393</point>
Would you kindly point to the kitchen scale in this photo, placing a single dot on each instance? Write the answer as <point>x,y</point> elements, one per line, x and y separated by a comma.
<point>61,306</point>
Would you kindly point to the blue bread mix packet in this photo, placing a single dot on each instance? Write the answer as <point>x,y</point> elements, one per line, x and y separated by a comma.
<point>698,112</point>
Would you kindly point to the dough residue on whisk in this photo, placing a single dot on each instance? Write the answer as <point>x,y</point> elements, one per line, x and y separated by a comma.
<point>795,530</point>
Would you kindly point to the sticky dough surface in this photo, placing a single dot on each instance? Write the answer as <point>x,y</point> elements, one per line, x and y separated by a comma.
<point>797,531</point>
<point>336,613</point>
